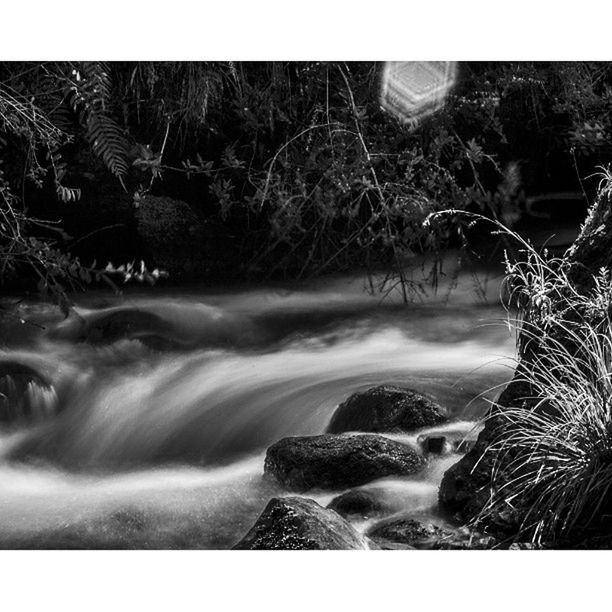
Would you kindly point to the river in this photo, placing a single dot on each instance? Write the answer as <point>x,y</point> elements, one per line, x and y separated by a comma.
<point>157,439</point>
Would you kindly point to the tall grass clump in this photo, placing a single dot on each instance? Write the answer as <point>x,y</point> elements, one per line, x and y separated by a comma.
<point>552,447</point>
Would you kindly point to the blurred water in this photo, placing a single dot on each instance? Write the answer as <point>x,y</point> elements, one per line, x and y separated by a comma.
<point>166,401</point>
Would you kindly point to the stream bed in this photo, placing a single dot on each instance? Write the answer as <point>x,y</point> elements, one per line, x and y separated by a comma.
<point>150,413</point>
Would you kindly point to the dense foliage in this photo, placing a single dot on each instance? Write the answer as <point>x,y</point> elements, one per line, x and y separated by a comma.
<point>295,164</point>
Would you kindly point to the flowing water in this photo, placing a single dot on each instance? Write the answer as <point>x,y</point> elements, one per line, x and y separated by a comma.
<point>142,420</point>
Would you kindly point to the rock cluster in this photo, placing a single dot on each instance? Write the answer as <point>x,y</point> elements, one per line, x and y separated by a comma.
<point>352,453</point>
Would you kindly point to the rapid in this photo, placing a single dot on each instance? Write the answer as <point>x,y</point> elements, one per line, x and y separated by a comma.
<point>142,420</point>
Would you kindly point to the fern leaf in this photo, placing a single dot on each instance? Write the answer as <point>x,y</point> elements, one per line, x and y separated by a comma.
<point>107,142</point>
<point>90,96</point>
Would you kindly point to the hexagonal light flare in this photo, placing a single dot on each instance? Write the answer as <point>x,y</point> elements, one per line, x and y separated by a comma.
<point>413,90</point>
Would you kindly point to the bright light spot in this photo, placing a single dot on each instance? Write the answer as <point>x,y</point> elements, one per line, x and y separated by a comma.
<point>413,90</point>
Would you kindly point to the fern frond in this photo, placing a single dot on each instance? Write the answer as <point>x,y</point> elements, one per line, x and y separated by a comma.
<point>107,142</point>
<point>90,96</point>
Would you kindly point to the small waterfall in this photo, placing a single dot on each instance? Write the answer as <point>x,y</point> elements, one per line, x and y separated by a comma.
<point>24,395</point>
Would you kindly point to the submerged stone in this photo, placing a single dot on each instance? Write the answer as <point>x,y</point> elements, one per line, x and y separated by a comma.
<point>384,409</point>
<point>359,502</point>
<point>435,445</point>
<point>403,531</point>
<point>408,531</point>
<point>166,325</point>
<point>110,325</point>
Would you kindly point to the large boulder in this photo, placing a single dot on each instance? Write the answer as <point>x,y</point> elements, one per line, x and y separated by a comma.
<point>296,523</point>
<point>338,462</point>
<point>385,409</point>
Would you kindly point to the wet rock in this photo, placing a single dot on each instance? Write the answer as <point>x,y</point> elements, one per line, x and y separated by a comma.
<point>296,523</point>
<point>359,502</point>
<point>465,487</point>
<point>435,445</point>
<point>465,490</point>
<point>385,409</point>
<point>338,462</point>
